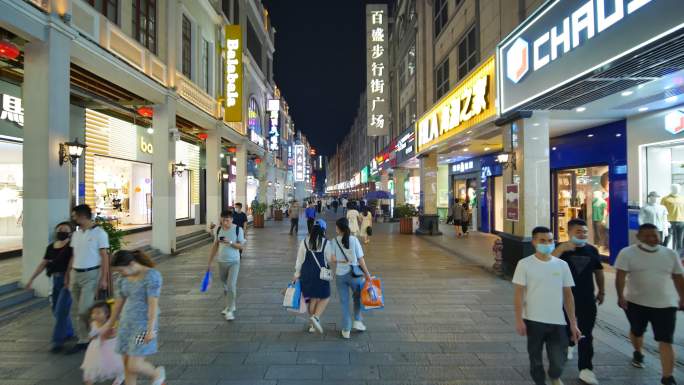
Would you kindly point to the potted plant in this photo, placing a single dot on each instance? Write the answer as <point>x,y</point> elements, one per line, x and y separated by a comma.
<point>277,207</point>
<point>258,211</point>
<point>115,235</point>
<point>405,213</point>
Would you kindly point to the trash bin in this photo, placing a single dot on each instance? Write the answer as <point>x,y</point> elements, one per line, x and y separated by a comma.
<point>515,248</point>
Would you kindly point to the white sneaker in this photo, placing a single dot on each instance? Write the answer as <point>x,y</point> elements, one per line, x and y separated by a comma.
<point>346,334</point>
<point>161,380</point>
<point>358,325</point>
<point>588,377</point>
<point>225,311</point>
<point>571,352</point>
<point>312,329</point>
<point>557,381</point>
<point>230,316</point>
<point>119,379</point>
<point>316,323</point>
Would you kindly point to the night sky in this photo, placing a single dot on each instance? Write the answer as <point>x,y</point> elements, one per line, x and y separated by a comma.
<point>320,64</point>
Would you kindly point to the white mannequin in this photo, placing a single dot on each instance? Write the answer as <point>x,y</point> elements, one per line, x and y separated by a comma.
<point>654,213</point>
<point>674,203</point>
<point>675,189</point>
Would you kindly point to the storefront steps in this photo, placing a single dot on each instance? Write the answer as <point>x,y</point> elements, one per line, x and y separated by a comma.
<point>15,301</point>
<point>192,241</point>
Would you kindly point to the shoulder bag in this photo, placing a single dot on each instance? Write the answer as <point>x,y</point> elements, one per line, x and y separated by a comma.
<point>356,271</point>
<point>326,273</point>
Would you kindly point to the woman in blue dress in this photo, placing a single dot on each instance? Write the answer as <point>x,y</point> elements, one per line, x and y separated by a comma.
<point>137,301</point>
<point>311,260</point>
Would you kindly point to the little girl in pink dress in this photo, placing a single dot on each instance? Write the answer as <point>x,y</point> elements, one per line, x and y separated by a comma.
<point>101,362</point>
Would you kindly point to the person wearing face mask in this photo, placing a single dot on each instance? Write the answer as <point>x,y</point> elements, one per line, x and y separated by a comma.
<point>56,263</point>
<point>585,265</point>
<point>543,288</point>
<point>655,290</point>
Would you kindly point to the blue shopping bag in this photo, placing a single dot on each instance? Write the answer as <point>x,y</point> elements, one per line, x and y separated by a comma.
<point>293,295</point>
<point>206,282</point>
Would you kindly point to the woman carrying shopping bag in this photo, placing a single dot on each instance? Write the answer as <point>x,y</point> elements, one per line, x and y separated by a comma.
<point>351,269</point>
<point>56,263</point>
<point>313,273</point>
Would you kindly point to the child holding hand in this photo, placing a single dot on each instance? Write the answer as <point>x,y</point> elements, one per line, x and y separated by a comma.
<point>101,362</point>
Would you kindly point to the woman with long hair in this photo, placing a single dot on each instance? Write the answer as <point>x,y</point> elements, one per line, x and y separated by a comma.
<point>347,253</point>
<point>56,264</point>
<point>366,224</point>
<point>353,218</point>
<point>310,262</point>
<point>137,302</point>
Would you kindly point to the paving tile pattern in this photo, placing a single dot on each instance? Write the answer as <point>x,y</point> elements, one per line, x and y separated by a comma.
<point>447,321</point>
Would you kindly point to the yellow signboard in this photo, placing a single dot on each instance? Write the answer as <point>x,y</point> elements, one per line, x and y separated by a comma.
<point>232,72</point>
<point>469,104</point>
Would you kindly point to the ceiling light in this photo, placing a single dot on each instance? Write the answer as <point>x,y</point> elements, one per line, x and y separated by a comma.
<point>553,148</point>
<point>590,136</point>
<point>618,135</point>
<point>535,138</point>
<point>581,109</point>
<point>627,93</point>
<point>487,148</point>
<point>469,132</point>
<point>465,149</point>
<point>640,86</point>
<point>671,99</point>
<point>150,130</point>
<point>642,109</point>
<point>536,124</point>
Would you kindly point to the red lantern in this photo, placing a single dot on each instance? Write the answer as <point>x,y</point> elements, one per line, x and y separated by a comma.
<point>257,160</point>
<point>146,111</point>
<point>203,135</point>
<point>232,150</point>
<point>8,50</point>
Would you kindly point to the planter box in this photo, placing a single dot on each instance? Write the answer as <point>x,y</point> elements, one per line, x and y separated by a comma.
<point>406,225</point>
<point>278,215</point>
<point>259,221</point>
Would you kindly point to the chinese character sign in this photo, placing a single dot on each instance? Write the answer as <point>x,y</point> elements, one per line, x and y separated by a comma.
<point>273,133</point>
<point>232,59</point>
<point>377,70</point>
<point>300,163</point>
<point>12,110</point>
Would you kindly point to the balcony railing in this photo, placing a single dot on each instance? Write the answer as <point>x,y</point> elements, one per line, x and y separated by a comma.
<point>195,95</point>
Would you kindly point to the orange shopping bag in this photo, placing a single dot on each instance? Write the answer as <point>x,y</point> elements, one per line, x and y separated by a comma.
<point>371,295</point>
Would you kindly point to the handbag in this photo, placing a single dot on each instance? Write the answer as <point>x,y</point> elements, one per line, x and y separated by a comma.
<point>356,271</point>
<point>369,231</point>
<point>326,273</point>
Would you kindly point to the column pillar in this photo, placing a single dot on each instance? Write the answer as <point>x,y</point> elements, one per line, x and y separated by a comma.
<point>241,177</point>
<point>429,220</point>
<point>213,151</point>
<point>163,183</point>
<point>400,175</point>
<point>46,197</point>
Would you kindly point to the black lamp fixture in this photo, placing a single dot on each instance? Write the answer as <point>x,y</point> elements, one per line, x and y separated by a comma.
<point>70,152</point>
<point>177,169</point>
<point>506,159</point>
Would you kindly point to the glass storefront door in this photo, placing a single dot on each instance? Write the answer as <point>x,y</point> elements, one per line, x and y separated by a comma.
<point>183,195</point>
<point>583,193</point>
<point>11,195</point>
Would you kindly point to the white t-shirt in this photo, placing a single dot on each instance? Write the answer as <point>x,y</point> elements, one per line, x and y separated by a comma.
<point>544,283</point>
<point>649,275</point>
<point>353,218</point>
<point>353,254</point>
<point>86,245</point>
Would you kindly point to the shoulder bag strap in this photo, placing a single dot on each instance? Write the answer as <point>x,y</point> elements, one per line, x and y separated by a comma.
<point>342,250</point>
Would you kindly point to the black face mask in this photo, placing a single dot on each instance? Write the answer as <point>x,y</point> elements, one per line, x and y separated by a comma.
<point>63,235</point>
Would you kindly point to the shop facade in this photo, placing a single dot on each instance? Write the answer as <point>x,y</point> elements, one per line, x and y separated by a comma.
<point>11,168</point>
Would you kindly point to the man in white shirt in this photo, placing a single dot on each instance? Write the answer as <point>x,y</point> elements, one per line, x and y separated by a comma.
<point>543,287</point>
<point>88,270</point>
<point>651,296</point>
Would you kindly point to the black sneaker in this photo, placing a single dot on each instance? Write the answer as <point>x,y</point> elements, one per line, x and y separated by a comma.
<point>668,381</point>
<point>638,360</point>
<point>77,349</point>
<point>57,349</point>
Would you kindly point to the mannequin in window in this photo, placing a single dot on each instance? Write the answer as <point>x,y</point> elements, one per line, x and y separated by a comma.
<point>598,217</point>
<point>674,203</point>
<point>656,214</point>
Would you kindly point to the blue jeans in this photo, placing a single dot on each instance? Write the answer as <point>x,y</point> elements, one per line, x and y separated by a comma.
<point>344,284</point>
<point>61,303</point>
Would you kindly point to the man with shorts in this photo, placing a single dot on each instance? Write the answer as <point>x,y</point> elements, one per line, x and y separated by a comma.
<point>651,296</point>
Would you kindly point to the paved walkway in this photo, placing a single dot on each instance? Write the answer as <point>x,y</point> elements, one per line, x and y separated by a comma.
<point>447,321</point>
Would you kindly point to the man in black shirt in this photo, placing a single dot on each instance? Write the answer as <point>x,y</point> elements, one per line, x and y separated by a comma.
<point>240,219</point>
<point>585,265</point>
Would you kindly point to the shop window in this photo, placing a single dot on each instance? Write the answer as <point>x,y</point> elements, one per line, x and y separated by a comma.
<point>254,45</point>
<point>407,66</point>
<point>584,193</point>
<point>186,47</point>
<point>11,196</point>
<point>109,8</point>
<point>206,66</point>
<point>442,79</point>
<point>441,16</point>
<point>145,23</point>
<point>236,12</point>
<point>123,191</point>
<point>467,53</point>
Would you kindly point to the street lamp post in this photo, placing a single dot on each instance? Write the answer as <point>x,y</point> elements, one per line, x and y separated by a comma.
<point>71,152</point>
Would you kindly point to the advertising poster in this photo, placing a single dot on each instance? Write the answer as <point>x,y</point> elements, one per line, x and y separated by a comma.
<point>512,202</point>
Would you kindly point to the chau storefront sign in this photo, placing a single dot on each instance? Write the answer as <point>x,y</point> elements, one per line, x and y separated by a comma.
<point>300,163</point>
<point>232,58</point>
<point>469,104</point>
<point>566,40</point>
<point>377,70</point>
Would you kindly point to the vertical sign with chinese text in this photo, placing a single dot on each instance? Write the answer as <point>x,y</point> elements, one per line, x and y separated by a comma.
<point>232,57</point>
<point>300,162</point>
<point>377,70</point>
<point>512,202</point>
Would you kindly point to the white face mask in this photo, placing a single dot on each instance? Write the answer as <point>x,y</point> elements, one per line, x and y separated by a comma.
<point>648,247</point>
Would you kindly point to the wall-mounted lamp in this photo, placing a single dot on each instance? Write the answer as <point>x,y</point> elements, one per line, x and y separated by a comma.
<point>506,159</point>
<point>225,176</point>
<point>177,169</point>
<point>70,152</point>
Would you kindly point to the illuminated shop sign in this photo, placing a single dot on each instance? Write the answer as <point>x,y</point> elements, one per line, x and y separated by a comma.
<point>254,122</point>
<point>377,70</point>
<point>469,104</point>
<point>565,40</point>
<point>273,134</point>
<point>12,111</point>
<point>299,164</point>
<point>462,166</point>
<point>146,147</point>
<point>674,122</point>
<point>232,57</point>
